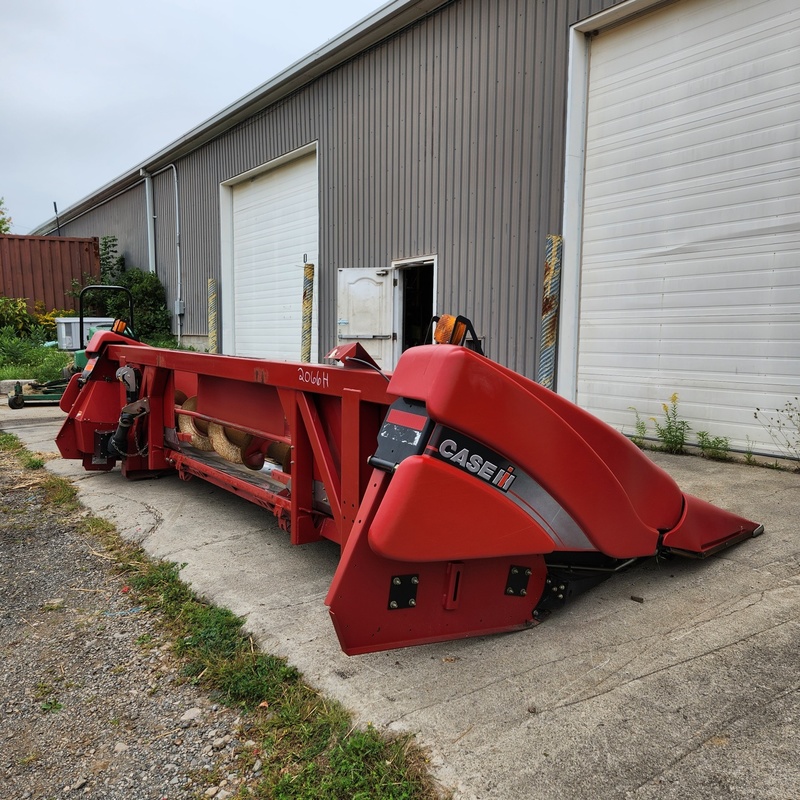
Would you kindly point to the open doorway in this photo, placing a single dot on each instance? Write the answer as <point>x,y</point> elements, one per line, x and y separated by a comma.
<point>414,296</point>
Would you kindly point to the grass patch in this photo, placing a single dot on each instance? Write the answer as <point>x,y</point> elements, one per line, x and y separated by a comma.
<point>30,460</point>
<point>9,443</point>
<point>308,745</point>
<point>60,492</point>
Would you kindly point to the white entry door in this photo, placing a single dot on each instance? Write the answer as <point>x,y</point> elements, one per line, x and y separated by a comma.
<point>366,311</point>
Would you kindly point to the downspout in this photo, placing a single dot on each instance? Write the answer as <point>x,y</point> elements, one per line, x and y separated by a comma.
<point>180,306</point>
<point>151,219</point>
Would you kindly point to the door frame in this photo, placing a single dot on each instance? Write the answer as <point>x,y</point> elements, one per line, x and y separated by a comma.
<point>397,266</point>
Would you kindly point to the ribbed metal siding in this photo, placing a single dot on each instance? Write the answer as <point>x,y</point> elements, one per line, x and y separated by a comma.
<point>123,217</point>
<point>446,139</point>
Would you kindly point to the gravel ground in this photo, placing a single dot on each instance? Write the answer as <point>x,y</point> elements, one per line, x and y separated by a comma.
<point>91,703</point>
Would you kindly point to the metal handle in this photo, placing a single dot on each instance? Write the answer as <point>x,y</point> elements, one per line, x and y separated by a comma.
<point>365,336</point>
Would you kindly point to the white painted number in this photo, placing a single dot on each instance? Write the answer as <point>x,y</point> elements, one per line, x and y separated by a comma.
<point>314,377</point>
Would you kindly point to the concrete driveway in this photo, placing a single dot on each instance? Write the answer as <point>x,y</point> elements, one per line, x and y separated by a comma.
<point>692,693</point>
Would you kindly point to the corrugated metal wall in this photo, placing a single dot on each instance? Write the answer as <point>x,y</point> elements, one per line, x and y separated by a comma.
<point>124,217</point>
<point>42,268</point>
<point>446,139</point>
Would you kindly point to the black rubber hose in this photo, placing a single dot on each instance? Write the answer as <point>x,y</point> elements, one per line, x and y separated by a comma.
<point>118,443</point>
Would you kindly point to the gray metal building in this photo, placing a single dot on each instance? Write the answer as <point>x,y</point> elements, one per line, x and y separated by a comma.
<point>438,130</point>
<point>420,160</point>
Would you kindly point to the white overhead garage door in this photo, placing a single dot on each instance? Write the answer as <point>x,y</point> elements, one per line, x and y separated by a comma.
<point>275,222</point>
<point>690,273</point>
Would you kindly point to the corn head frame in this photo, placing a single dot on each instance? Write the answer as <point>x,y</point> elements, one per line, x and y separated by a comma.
<point>466,499</point>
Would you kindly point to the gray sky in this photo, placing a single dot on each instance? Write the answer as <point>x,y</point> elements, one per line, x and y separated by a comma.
<point>90,88</point>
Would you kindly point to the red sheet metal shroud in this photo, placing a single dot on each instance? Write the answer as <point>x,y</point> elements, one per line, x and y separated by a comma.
<point>613,492</point>
<point>617,495</point>
<point>431,515</point>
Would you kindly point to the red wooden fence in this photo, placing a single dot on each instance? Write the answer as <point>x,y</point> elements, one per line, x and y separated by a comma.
<point>43,267</point>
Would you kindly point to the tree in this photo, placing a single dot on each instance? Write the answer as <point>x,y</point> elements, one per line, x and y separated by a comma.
<point>5,220</point>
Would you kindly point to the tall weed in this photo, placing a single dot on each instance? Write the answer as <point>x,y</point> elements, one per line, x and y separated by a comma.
<point>672,431</point>
<point>783,427</point>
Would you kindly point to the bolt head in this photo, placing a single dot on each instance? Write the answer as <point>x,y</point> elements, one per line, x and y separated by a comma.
<point>393,604</point>
<point>412,602</point>
<point>396,581</point>
<point>509,590</point>
<point>415,580</point>
<point>523,592</point>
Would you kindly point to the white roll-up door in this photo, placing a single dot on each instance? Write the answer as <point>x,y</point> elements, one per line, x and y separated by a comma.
<point>275,222</point>
<point>690,274</point>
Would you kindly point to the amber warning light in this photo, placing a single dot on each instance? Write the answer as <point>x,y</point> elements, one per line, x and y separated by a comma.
<point>454,330</point>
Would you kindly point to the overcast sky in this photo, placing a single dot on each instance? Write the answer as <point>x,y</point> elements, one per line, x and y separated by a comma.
<point>91,88</point>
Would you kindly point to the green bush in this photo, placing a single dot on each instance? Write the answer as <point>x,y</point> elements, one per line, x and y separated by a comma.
<point>14,314</point>
<point>14,349</point>
<point>151,317</point>
<point>640,426</point>
<point>112,265</point>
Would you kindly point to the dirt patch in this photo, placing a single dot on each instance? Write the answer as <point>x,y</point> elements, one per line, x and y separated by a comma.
<point>91,699</point>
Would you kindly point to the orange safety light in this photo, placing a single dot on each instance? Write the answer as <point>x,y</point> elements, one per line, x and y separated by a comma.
<point>454,330</point>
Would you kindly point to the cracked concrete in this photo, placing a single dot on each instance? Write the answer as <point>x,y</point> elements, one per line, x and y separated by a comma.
<point>692,692</point>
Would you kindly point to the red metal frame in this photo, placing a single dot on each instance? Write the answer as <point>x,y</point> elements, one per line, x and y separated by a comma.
<point>483,485</point>
<point>329,415</point>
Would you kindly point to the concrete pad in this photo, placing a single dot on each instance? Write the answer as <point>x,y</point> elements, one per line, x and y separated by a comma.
<point>691,693</point>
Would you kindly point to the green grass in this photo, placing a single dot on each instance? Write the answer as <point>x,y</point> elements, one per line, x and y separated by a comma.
<point>22,357</point>
<point>309,747</point>
<point>11,444</point>
<point>60,493</point>
<point>31,461</point>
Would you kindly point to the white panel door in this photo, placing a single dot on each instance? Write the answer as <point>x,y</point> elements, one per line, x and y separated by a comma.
<point>365,311</point>
<point>690,277</point>
<point>275,223</point>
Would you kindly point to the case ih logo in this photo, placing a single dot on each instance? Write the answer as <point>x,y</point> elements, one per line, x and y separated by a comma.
<point>478,461</point>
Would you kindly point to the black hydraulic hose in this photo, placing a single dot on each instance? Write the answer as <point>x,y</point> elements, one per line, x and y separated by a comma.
<point>118,443</point>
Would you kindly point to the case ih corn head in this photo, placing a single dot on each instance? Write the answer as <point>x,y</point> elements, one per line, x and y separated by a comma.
<point>466,499</point>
